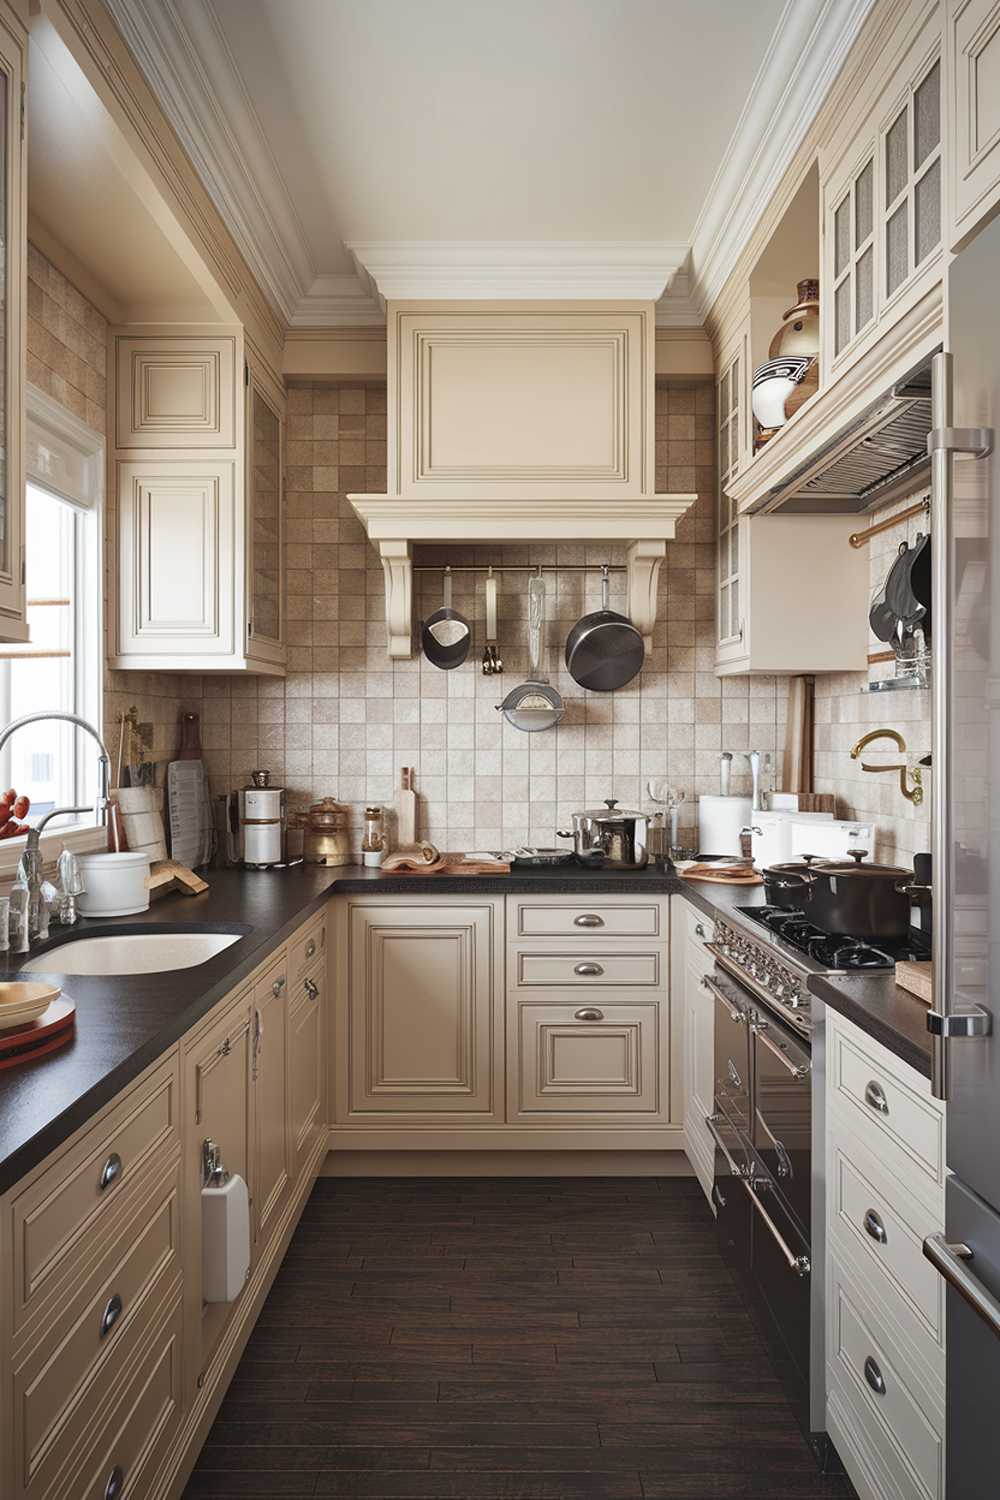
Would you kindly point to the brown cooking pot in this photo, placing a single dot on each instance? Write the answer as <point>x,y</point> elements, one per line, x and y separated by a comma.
<point>846,897</point>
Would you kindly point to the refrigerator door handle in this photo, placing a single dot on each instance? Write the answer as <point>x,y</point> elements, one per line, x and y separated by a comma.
<point>950,1259</point>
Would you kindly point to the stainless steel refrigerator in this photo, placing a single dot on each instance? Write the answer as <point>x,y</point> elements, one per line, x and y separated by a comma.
<point>965,532</point>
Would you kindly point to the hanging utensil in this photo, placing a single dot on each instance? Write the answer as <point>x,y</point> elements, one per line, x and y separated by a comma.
<point>492,661</point>
<point>604,651</point>
<point>533,704</point>
<point>445,635</point>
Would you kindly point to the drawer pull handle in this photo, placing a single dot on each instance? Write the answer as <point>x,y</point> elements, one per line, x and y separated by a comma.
<point>699,929</point>
<point>115,1484</point>
<point>110,1172</point>
<point>311,948</point>
<point>588,1013</point>
<point>312,990</point>
<point>278,985</point>
<point>588,919</point>
<point>874,1226</point>
<point>874,1376</point>
<point>111,1314</point>
<point>588,969</point>
<point>875,1098</point>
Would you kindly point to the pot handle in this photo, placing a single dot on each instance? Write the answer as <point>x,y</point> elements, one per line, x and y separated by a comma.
<point>792,882</point>
<point>561,835</point>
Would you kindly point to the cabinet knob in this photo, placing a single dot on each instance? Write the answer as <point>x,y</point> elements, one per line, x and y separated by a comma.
<point>312,990</point>
<point>115,1484</point>
<point>588,1013</point>
<point>874,1226</point>
<point>311,948</point>
<point>111,1314</point>
<point>278,985</point>
<point>110,1172</point>
<point>875,1098</point>
<point>588,970</point>
<point>699,929</point>
<point>588,919</point>
<point>874,1376</point>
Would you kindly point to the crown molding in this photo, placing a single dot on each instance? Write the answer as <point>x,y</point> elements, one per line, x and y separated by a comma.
<point>806,52</point>
<point>491,270</point>
<point>181,48</point>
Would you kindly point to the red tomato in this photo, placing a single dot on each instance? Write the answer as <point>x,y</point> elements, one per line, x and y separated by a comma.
<point>21,806</point>
<point>10,795</point>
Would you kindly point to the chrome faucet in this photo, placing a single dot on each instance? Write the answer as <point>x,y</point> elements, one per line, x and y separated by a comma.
<point>29,869</point>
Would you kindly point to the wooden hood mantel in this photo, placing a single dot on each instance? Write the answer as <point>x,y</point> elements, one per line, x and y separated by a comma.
<point>513,422</point>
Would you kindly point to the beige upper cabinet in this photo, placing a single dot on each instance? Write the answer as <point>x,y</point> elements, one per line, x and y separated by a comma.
<point>883,186</point>
<point>13,322</point>
<point>199,489</point>
<point>972,53</point>
<point>732,415</point>
<point>420,1033</point>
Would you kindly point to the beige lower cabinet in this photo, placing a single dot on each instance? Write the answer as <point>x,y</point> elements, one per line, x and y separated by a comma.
<point>885,1303</point>
<point>420,1019</point>
<point>578,1060</point>
<point>272,1168</point>
<point>690,931</point>
<point>307,1005</point>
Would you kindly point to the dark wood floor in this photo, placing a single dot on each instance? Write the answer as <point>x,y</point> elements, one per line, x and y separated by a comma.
<point>496,1339</point>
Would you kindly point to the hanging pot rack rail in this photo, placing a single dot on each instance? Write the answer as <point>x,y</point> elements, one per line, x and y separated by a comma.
<point>862,538</point>
<point>520,568</point>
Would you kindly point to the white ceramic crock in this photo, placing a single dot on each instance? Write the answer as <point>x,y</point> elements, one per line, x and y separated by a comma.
<point>117,885</point>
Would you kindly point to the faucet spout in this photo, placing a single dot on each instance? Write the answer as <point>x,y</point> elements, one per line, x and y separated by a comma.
<point>866,739</point>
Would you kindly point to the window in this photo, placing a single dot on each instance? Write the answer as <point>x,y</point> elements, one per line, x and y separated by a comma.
<point>60,666</point>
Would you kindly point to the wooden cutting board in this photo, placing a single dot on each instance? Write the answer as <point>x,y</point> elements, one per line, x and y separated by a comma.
<point>724,874</point>
<point>918,978</point>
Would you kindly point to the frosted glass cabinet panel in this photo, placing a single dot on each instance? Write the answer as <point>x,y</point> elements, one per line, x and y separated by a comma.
<point>732,418</point>
<point>265,522</point>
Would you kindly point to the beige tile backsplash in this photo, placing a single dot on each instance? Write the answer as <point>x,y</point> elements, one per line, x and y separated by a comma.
<point>346,718</point>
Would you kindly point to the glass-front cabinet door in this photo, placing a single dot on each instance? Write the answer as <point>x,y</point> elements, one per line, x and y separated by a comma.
<point>13,248</point>
<point>732,421</point>
<point>265,521</point>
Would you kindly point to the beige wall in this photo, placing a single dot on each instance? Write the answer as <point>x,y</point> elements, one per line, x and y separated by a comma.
<point>347,718</point>
<point>67,349</point>
<point>844,712</point>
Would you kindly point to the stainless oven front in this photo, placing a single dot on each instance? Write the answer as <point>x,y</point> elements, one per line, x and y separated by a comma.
<point>766,1192</point>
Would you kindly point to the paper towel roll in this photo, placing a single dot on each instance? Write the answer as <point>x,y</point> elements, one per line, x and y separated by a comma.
<point>719,822</point>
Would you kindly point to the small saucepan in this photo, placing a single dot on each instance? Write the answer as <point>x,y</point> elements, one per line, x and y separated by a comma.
<point>445,635</point>
<point>604,651</point>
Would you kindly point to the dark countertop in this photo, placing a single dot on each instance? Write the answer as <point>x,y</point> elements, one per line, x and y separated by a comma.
<point>124,1023</point>
<point>876,1003</point>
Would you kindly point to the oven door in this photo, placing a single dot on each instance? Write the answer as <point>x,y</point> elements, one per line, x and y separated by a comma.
<point>733,1051</point>
<point>781,1068</point>
<point>781,1276</point>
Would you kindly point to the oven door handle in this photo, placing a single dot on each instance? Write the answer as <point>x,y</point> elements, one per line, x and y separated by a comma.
<point>711,1122</point>
<point>800,1264</point>
<point>739,1016</point>
<point>797,1070</point>
<point>948,1258</point>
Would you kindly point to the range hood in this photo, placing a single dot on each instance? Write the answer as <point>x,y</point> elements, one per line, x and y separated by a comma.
<point>515,422</point>
<point>877,457</point>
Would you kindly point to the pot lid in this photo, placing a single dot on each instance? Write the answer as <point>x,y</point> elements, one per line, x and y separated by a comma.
<point>856,867</point>
<point>610,812</point>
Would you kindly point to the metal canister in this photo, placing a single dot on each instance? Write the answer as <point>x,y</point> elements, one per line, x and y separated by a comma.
<point>326,840</point>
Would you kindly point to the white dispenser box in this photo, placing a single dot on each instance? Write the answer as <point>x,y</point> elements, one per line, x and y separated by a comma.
<point>225,1230</point>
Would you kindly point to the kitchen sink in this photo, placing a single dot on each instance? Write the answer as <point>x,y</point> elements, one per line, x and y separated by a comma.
<point>132,953</point>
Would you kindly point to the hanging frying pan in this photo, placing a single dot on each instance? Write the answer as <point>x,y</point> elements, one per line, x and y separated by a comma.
<point>604,651</point>
<point>445,635</point>
<point>908,586</point>
<point>534,704</point>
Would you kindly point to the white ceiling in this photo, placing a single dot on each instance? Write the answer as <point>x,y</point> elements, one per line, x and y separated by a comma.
<point>477,148</point>
<point>526,120</point>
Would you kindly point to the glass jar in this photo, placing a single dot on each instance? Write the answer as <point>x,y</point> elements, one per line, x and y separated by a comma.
<point>373,842</point>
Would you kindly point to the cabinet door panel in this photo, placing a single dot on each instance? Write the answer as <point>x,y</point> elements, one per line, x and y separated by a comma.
<point>975,90</point>
<point>562,1063</point>
<point>176,557</point>
<point>13,322</point>
<point>305,1071</point>
<point>269,1039</point>
<point>423,1007</point>
<point>176,392</point>
<point>265,503</point>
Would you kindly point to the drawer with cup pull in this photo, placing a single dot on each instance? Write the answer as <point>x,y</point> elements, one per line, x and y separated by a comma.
<point>61,1216</point>
<point>889,1106</point>
<point>307,951</point>
<point>878,1233</point>
<point>575,917</point>
<point>127,1458</point>
<point>599,968</point>
<point>886,1397</point>
<point>72,1362</point>
<point>602,1060</point>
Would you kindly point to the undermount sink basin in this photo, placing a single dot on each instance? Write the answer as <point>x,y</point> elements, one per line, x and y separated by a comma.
<point>132,953</point>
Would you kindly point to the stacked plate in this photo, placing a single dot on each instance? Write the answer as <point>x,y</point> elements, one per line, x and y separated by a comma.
<point>23,1001</point>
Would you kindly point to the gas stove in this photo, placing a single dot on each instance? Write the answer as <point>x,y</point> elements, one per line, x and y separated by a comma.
<point>774,962</point>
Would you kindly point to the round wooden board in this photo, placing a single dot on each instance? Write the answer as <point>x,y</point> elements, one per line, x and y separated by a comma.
<point>50,1030</point>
